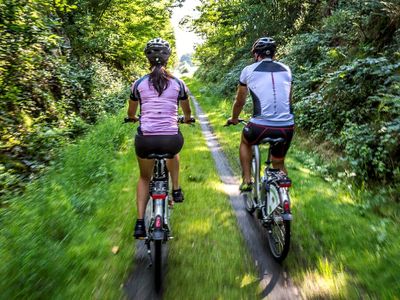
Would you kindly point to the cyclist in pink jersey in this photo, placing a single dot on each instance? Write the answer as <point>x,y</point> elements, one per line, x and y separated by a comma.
<point>158,94</point>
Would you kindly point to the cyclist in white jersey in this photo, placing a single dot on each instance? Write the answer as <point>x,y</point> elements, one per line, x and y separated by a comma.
<point>270,84</point>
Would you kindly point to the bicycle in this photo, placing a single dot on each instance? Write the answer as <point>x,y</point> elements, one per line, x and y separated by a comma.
<point>270,199</point>
<point>159,228</point>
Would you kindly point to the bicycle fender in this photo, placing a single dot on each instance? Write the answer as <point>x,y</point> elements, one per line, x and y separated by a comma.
<point>287,217</point>
<point>158,234</point>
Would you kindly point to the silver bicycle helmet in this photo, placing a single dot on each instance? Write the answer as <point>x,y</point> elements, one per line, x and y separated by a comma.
<point>264,46</point>
<point>157,51</point>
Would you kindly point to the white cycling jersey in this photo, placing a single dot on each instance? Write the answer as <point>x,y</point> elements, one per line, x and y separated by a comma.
<point>269,83</point>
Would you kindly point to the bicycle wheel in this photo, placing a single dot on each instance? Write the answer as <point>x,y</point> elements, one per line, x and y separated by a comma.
<point>158,265</point>
<point>278,232</point>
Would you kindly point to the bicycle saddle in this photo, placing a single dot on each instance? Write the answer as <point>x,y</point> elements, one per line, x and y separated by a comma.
<point>159,156</point>
<point>272,141</point>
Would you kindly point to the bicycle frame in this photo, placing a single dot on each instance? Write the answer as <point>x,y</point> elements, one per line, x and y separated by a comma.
<point>265,195</point>
<point>159,228</point>
<point>159,221</point>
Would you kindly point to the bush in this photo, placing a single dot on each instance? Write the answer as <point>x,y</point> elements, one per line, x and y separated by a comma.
<point>357,108</point>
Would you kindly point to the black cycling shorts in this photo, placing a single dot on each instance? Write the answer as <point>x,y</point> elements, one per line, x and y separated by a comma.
<point>158,144</point>
<point>255,132</point>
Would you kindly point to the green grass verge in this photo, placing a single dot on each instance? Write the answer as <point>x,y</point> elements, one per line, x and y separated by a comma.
<point>56,240</point>
<point>339,249</point>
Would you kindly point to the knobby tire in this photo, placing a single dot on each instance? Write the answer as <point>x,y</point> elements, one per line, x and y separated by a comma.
<point>158,265</point>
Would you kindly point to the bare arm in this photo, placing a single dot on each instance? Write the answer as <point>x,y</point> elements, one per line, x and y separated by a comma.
<point>132,109</point>
<point>185,105</point>
<point>240,101</point>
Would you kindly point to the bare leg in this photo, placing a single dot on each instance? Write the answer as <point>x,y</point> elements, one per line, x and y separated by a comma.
<point>245,159</point>
<point>142,191</point>
<point>279,163</point>
<point>173,168</point>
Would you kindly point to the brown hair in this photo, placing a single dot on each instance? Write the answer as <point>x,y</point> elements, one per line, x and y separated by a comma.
<point>159,78</point>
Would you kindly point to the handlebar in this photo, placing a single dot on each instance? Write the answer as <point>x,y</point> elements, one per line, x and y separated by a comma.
<point>181,120</point>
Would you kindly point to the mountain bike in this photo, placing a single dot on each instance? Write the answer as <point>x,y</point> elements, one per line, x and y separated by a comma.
<point>159,227</point>
<point>270,199</point>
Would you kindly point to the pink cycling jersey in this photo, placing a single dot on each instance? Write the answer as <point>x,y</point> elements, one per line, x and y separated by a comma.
<point>158,114</point>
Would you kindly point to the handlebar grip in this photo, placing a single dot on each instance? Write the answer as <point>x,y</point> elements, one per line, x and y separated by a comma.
<point>229,122</point>
<point>129,120</point>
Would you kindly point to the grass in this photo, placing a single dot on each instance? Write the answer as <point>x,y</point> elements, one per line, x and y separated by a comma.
<point>207,259</point>
<point>56,240</point>
<point>339,250</point>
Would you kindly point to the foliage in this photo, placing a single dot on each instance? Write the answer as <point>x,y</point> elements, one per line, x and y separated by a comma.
<point>344,237</point>
<point>63,65</point>
<point>344,57</point>
<point>56,240</point>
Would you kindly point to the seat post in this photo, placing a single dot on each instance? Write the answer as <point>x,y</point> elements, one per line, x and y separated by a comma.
<point>268,161</point>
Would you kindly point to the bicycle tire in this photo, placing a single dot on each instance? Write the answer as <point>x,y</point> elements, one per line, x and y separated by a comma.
<point>278,233</point>
<point>248,202</point>
<point>158,265</point>
<point>280,254</point>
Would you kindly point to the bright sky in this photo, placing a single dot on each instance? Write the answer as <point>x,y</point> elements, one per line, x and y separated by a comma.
<point>185,40</point>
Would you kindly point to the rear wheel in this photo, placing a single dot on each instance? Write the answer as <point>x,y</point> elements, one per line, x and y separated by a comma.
<point>279,240</point>
<point>278,232</point>
<point>158,265</point>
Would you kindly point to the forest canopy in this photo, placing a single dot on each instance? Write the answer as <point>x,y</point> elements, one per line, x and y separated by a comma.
<point>63,65</point>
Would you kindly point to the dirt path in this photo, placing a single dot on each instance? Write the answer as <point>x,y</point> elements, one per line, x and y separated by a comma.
<point>273,279</point>
<point>140,284</point>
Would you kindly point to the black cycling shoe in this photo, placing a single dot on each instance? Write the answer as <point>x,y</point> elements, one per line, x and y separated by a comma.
<point>140,230</point>
<point>177,195</point>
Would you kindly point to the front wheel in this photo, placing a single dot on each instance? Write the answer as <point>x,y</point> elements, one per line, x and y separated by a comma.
<point>251,197</point>
<point>249,203</point>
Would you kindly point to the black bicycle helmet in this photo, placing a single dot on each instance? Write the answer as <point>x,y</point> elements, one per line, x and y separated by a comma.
<point>157,51</point>
<point>264,46</point>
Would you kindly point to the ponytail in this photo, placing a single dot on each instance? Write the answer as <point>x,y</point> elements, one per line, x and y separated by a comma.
<point>159,78</point>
